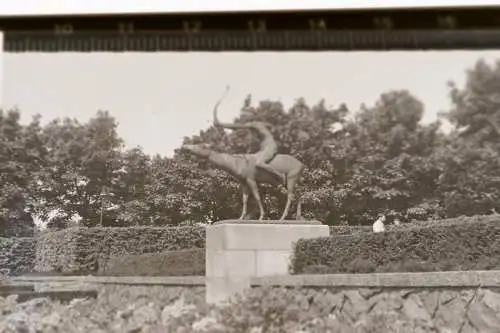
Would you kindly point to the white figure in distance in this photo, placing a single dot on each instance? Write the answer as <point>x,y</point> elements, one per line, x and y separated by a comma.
<point>397,222</point>
<point>379,226</point>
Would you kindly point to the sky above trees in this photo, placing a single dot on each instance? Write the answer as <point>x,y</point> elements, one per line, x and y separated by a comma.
<point>159,98</point>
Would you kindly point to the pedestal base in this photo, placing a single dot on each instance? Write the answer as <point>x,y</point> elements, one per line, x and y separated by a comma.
<point>236,251</point>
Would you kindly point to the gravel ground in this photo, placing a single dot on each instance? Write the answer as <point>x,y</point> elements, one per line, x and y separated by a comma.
<point>182,310</point>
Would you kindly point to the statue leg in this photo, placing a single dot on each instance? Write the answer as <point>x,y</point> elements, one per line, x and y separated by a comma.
<point>298,214</point>
<point>255,192</point>
<point>244,188</point>
<point>292,181</point>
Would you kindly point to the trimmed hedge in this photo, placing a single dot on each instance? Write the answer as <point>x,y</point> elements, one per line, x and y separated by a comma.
<point>342,230</point>
<point>189,262</point>
<point>18,224</point>
<point>17,255</point>
<point>445,222</point>
<point>80,249</point>
<point>55,251</point>
<point>456,244</point>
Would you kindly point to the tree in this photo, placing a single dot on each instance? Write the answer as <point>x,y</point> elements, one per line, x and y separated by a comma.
<point>470,162</point>
<point>21,154</point>
<point>82,164</point>
<point>184,191</point>
<point>379,160</point>
<point>478,101</point>
<point>130,188</point>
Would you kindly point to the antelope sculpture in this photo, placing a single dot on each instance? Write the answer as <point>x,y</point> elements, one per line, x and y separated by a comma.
<point>244,168</point>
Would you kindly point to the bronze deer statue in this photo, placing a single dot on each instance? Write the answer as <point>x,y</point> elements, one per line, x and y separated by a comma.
<point>243,168</point>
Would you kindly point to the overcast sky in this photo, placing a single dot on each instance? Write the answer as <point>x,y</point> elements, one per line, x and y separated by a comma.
<point>158,98</point>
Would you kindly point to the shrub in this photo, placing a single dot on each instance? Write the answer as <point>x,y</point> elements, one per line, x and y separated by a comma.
<point>17,224</point>
<point>443,247</point>
<point>189,262</point>
<point>55,251</point>
<point>79,249</point>
<point>342,230</point>
<point>442,222</point>
<point>17,255</point>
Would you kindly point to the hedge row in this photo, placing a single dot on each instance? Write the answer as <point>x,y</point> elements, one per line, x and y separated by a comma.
<point>445,222</point>
<point>18,225</point>
<point>343,230</point>
<point>366,229</point>
<point>16,255</point>
<point>190,262</point>
<point>455,245</point>
<point>55,251</point>
<point>80,249</point>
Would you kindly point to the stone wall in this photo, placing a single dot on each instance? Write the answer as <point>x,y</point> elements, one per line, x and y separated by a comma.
<point>45,283</point>
<point>444,302</point>
<point>430,310</point>
<point>117,309</point>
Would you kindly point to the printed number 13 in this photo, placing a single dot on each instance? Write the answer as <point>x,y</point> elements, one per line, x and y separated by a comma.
<point>257,26</point>
<point>191,26</point>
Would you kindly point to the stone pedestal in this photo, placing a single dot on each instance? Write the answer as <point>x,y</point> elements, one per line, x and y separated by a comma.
<point>238,250</point>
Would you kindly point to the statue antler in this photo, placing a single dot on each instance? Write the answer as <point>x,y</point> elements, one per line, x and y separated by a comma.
<point>216,120</point>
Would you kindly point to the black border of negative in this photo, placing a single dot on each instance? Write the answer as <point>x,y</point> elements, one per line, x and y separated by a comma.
<point>313,30</point>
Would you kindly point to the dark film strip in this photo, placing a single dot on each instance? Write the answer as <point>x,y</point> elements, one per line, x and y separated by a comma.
<point>403,29</point>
